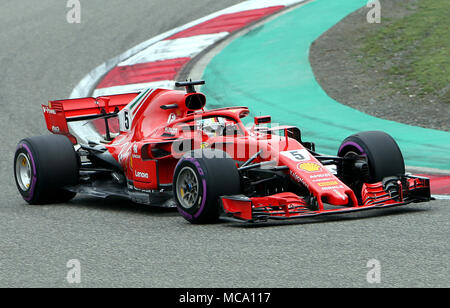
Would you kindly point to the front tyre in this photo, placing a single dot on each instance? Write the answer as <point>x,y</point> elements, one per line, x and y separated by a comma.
<point>200,178</point>
<point>377,152</point>
<point>43,166</point>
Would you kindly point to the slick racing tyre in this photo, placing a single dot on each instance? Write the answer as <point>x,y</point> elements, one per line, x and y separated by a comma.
<point>43,166</point>
<point>200,178</point>
<point>381,153</point>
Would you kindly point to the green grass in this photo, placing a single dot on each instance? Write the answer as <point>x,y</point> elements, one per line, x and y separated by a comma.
<point>414,50</point>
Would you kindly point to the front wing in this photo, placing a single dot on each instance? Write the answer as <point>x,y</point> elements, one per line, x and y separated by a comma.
<point>288,205</point>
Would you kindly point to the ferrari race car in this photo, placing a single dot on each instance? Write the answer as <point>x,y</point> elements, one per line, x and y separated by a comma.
<point>162,147</point>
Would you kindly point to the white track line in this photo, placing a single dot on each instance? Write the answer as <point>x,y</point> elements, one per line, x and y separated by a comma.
<point>129,88</point>
<point>441,197</point>
<point>187,47</point>
<point>87,84</point>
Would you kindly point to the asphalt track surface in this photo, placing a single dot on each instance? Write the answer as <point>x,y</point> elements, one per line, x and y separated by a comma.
<point>120,244</point>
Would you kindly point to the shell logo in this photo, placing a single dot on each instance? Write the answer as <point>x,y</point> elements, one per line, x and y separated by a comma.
<point>310,167</point>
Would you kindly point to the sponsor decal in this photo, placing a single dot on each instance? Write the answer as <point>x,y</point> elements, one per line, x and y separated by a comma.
<point>149,191</point>
<point>332,187</point>
<point>309,167</point>
<point>172,117</point>
<point>124,153</point>
<point>171,130</point>
<point>48,110</point>
<point>55,129</point>
<point>322,179</point>
<point>297,155</point>
<point>331,183</point>
<point>135,148</point>
<point>139,174</point>
<point>319,176</point>
<point>297,178</point>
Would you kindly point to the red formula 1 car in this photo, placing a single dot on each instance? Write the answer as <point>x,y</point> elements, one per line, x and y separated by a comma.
<point>161,147</point>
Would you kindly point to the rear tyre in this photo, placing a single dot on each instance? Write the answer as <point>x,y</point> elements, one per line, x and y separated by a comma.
<point>380,153</point>
<point>200,178</point>
<point>43,166</point>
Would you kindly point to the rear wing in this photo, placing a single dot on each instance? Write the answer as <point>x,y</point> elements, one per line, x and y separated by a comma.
<point>58,114</point>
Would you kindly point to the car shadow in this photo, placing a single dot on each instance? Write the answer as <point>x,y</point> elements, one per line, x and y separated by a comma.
<point>331,218</point>
<point>116,204</point>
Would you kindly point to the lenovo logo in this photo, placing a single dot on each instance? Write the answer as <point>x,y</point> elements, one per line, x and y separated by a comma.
<point>139,174</point>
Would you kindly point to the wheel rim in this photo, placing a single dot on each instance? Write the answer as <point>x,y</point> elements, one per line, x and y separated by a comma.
<point>187,187</point>
<point>354,154</point>
<point>23,172</point>
<point>355,177</point>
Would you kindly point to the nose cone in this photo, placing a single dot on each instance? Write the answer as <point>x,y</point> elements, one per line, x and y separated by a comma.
<point>336,197</point>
